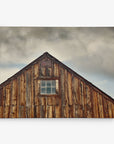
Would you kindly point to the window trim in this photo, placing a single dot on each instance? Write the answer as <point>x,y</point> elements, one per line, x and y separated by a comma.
<point>45,87</point>
<point>49,95</point>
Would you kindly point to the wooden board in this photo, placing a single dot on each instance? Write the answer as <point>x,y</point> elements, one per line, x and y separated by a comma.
<point>75,97</point>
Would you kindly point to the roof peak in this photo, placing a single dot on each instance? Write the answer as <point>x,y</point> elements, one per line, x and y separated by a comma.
<point>45,53</point>
<point>53,58</point>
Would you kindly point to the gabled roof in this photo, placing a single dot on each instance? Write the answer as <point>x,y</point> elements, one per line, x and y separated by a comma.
<point>63,65</point>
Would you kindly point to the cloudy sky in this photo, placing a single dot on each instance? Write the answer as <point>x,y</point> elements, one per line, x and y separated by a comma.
<point>88,51</point>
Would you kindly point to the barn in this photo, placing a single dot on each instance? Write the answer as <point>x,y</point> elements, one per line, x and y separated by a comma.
<point>46,88</point>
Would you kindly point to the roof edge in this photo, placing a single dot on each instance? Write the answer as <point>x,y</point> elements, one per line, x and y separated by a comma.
<point>56,60</point>
<point>81,77</point>
<point>24,68</point>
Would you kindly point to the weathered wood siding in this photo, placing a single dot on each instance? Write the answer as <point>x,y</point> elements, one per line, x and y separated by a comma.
<point>20,96</point>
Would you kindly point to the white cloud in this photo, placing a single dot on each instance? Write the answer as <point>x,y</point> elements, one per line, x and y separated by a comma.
<point>91,50</point>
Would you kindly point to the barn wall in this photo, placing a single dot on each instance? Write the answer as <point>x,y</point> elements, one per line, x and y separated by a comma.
<point>20,97</point>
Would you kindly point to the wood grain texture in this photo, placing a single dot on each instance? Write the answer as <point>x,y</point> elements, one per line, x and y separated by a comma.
<point>76,98</point>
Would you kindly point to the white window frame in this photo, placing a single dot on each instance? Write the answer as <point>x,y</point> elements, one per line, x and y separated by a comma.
<point>46,86</point>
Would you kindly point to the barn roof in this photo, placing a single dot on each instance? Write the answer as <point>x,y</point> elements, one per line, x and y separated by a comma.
<point>60,63</point>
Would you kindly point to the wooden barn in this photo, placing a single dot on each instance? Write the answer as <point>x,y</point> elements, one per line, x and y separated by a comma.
<point>46,88</point>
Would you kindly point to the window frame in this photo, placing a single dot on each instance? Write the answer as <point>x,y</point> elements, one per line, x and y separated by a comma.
<point>48,87</point>
<point>56,86</point>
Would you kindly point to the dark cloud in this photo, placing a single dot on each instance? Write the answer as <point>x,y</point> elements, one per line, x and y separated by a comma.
<point>89,49</point>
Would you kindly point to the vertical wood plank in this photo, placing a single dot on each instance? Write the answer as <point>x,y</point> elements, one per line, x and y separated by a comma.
<point>18,95</point>
<point>70,88</point>
<point>57,112</point>
<point>89,105</point>
<point>66,111</point>
<point>80,103</point>
<point>110,109</point>
<point>62,89</point>
<point>28,93</point>
<point>1,103</point>
<point>85,101</point>
<point>105,107</point>
<point>32,92</point>
<point>113,110</point>
<point>66,88</point>
<point>100,105</point>
<point>36,90</point>
<point>14,100</point>
<point>50,112</point>
<point>1,111</point>
<point>56,70</point>
<point>22,105</point>
<point>95,104</point>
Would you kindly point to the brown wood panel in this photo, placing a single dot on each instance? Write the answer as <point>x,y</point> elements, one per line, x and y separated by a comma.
<point>95,105</point>
<point>77,105</point>
<point>80,106</point>
<point>74,95</point>
<point>21,111</point>
<point>85,100</point>
<point>62,88</point>
<point>42,111</point>
<point>14,100</point>
<point>6,111</point>
<point>49,101</point>
<point>4,99</point>
<point>28,93</point>
<point>105,107</point>
<point>20,97</point>
<point>22,101</point>
<point>7,102</point>
<point>32,92</point>
<point>50,112</point>
<point>1,103</point>
<point>71,111</point>
<point>100,105</point>
<point>46,108</point>
<point>82,99</point>
<point>56,70</point>
<point>110,110</point>
<point>89,104</point>
<point>1,111</point>
<point>57,111</point>
<point>36,84</point>
<point>37,111</point>
<point>113,110</point>
<point>70,88</point>
<point>66,111</point>
<point>66,88</point>
<point>74,111</point>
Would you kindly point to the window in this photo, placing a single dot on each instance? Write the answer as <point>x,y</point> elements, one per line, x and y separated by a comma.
<point>48,87</point>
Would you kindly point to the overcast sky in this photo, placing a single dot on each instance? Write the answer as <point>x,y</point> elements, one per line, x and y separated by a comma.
<point>88,51</point>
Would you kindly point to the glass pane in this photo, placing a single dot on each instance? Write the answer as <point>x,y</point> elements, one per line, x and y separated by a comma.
<point>43,90</point>
<point>49,83</point>
<point>53,90</point>
<point>49,90</point>
<point>53,83</point>
<point>49,86</point>
<point>43,83</point>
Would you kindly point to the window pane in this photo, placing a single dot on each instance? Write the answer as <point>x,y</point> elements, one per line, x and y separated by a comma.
<point>43,90</point>
<point>53,90</point>
<point>48,90</point>
<point>49,83</point>
<point>49,87</point>
<point>53,83</point>
<point>43,83</point>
